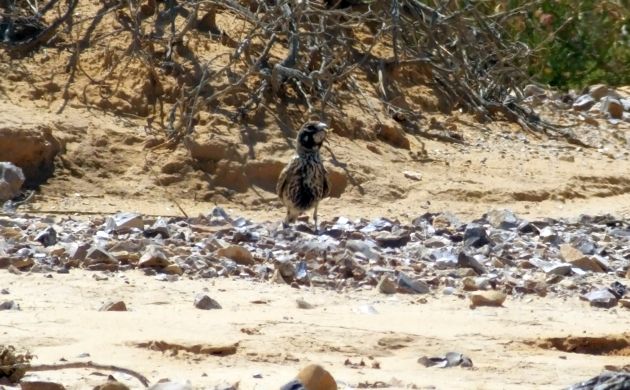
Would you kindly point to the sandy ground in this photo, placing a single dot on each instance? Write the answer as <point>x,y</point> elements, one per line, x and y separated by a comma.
<point>59,319</point>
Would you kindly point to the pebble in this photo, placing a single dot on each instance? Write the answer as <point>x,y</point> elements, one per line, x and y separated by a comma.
<point>598,91</point>
<point>154,256</point>
<point>386,285</point>
<point>11,180</point>
<point>487,298</point>
<point>40,385</point>
<point>583,103</point>
<point>237,253</point>
<point>114,306</point>
<point>315,377</point>
<point>204,302</point>
<point>601,298</point>
<point>612,107</point>
<point>302,304</point>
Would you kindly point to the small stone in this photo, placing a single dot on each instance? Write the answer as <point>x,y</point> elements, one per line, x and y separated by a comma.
<point>302,304</point>
<point>476,236</point>
<point>548,234</point>
<point>173,269</point>
<point>386,285</point>
<point>598,91</point>
<point>487,298</point>
<point>237,253</point>
<point>167,384</point>
<point>502,219</point>
<point>98,255</point>
<point>414,286</point>
<point>22,263</point>
<point>567,158</point>
<point>112,384</point>
<point>583,103</point>
<point>392,239</point>
<point>533,90</point>
<point>601,298</point>
<point>40,385</point>
<point>78,251</point>
<point>625,302</point>
<point>48,237</point>
<point>153,256</point>
<point>277,278</point>
<point>9,305</point>
<point>613,107</point>
<point>465,261</point>
<point>576,258</point>
<point>417,176</point>
<point>11,180</point>
<point>114,306</point>
<point>122,221</point>
<point>204,302</point>
<point>315,377</point>
<point>556,268</point>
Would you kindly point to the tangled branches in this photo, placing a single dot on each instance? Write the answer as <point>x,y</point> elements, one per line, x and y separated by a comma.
<point>306,53</point>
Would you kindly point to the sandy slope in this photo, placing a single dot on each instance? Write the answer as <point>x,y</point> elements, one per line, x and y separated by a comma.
<point>59,319</point>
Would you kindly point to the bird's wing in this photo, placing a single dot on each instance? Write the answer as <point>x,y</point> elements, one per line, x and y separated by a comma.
<point>327,185</point>
<point>282,180</point>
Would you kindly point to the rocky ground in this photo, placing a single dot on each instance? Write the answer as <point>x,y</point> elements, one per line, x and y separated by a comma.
<point>465,256</point>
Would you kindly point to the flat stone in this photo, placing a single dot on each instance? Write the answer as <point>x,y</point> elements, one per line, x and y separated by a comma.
<point>625,302</point>
<point>204,302</point>
<point>503,219</point>
<point>487,298</point>
<point>386,285</point>
<point>533,90</point>
<point>98,255</point>
<point>11,180</point>
<point>414,286</point>
<point>417,176</point>
<point>583,103</point>
<point>122,221</point>
<point>167,384</point>
<point>40,385</point>
<point>9,305</point>
<point>392,239</point>
<point>237,253</point>
<point>587,264</point>
<point>601,298</point>
<point>114,306</point>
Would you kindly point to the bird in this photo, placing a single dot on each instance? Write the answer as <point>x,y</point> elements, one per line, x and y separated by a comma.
<point>304,181</point>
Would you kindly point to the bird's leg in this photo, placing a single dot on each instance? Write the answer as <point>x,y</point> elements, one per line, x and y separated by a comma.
<point>315,218</point>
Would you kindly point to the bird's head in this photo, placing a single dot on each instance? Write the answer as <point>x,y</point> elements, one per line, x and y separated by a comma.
<point>311,136</point>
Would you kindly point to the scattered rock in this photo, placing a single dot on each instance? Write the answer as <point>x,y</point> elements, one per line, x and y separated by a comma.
<point>315,377</point>
<point>47,237</point>
<point>11,180</point>
<point>9,305</point>
<point>613,107</point>
<point>417,176</point>
<point>601,298</point>
<point>154,256</point>
<point>487,298</point>
<point>40,385</point>
<point>167,384</point>
<point>122,221</point>
<point>503,219</point>
<point>386,285</point>
<point>451,359</point>
<point>114,306</point>
<point>237,253</point>
<point>302,304</point>
<point>583,103</point>
<point>607,380</point>
<point>413,286</point>
<point>533,90</point>
<point>475,236</point>
<point>598,91</point>
<point>204,302</point>
<point>112,384</point>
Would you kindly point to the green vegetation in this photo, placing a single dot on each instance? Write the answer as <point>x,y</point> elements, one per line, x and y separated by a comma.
<point>573,43</point>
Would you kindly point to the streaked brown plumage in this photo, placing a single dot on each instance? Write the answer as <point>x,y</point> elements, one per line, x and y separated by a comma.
<point>304,182</point>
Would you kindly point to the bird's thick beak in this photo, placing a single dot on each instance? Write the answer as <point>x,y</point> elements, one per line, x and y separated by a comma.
<point>321,126</point>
